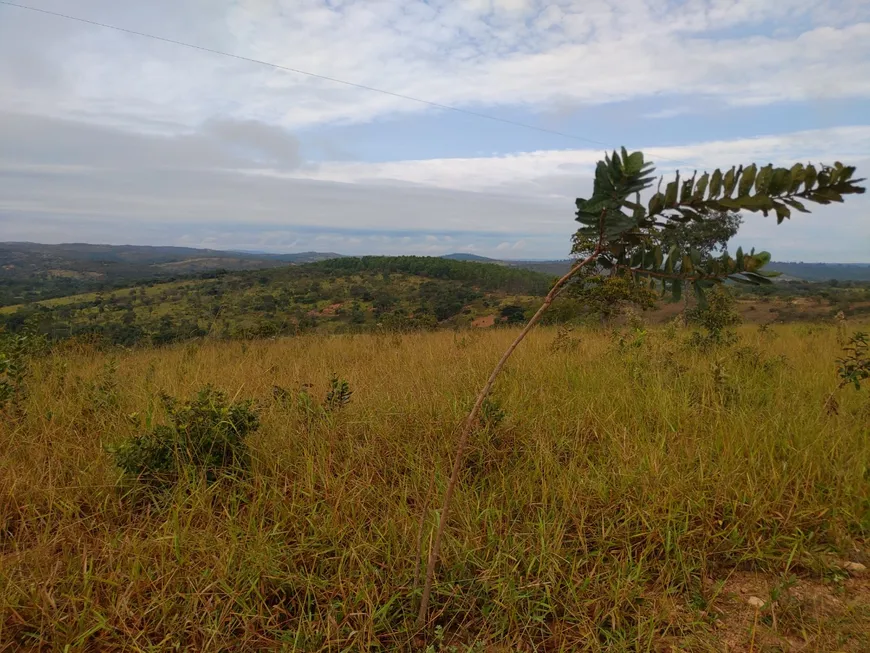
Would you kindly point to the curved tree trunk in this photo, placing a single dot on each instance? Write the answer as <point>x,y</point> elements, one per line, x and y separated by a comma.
<point>469,426</point>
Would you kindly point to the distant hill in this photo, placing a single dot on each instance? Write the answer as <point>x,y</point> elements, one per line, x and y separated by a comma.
<point>554,268</point>
<point>791,271</point>
<point>340,295</point>
<point>461,256</point>
<point>32,271</point>
<point>822,271</point>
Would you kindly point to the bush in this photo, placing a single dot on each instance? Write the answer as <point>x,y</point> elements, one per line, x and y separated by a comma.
<point>208,434</point>
<point>15,353</point>
<point>715,316</point>
<point>718,314</point>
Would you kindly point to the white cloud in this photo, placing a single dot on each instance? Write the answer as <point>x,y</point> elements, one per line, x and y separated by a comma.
<point>61,181</point>
<point>468,53</point>
<point>552,173</point>
<point>668,113</point>
<point>207,148</point>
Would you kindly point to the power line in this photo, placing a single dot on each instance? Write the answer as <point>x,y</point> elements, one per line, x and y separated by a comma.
<point>297,71</point>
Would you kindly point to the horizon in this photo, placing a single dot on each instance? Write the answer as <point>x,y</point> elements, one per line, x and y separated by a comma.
<point>108,136</point>
<point>446,254</point>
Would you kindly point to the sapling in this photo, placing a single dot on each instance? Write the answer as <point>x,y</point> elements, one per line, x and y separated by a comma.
<point>620,234</point>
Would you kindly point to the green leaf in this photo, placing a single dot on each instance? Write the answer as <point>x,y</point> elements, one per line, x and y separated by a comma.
<point>754,262</point>
<point>673,254</point>
<point>656,204</point>
<point>758,278</point>
<point>845,174</point>
<point>746,180</point>
<point>824,177</point>
<point>676,289</point>
<point>763,179</point>
<point>798,175</point>
<point>782,212</point>
<point>729,180</point>
<point>671,192</point>
<point>688,186</point>
<point>825,195</point>
<point>657,257</point>
<point>688,267</point>
<point>701,187</point>
<point>633,162</point>
<point>780,182</point>
<point>793,203</point>
<point>700,295</point>
<point>810,177</point>
<point>715,184</point>
<point>756,203</point>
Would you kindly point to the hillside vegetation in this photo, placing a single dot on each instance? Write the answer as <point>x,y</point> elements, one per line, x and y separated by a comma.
<point>32,271</point>
<point>337,295</point>
<point>634,504</point>
<point>373,293</point>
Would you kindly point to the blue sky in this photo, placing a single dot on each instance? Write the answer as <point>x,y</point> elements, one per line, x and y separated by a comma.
<point>109,137</point>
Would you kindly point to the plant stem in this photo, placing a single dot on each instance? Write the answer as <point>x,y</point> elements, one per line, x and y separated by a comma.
<point>469,426</point>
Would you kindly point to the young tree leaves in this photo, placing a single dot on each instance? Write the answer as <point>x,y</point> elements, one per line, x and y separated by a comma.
<point>632,238</point>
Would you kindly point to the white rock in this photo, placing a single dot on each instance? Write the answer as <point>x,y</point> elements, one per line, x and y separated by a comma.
<point>755,602</point>
<point>854,567</point>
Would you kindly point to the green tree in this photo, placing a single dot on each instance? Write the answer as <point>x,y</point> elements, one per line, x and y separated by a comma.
<point>618,232</point>
<point>607,295</point>
<point>707,236</point>
<point>513,314</point>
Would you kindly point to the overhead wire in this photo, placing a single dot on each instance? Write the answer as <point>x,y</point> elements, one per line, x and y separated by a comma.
<point>298,71</point>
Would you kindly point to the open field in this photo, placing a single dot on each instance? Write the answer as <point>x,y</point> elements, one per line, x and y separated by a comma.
<point>633,498</point>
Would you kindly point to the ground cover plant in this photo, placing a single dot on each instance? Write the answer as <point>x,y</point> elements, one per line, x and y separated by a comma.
<point>633,505</point>
<point>617,487</point>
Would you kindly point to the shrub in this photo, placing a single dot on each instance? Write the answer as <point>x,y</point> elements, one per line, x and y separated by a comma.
<point>338,395</point>
<point>854,366</point>
<point>207,433</point>
<point>15,353</point>
<point>714,316</point>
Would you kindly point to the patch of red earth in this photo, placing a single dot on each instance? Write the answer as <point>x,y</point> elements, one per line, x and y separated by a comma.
<point>782,625</point>
<point>483,322</point>
<point>329,310</point>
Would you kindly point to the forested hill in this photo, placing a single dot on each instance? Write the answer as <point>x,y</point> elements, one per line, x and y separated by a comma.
<point>33,271</point>
<point>484,275</point>
<point>333,296</point>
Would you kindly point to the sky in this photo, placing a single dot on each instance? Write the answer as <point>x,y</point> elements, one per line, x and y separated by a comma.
<point>109,137</point>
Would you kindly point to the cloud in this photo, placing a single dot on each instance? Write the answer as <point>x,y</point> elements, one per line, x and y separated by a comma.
<point>61,180</point>
<point>109,136</point>
<point>672,112</point>
<point>553,173</point>
<point>526,53</point>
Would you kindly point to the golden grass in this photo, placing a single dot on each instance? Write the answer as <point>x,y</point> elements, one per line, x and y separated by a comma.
<point>605,513</point>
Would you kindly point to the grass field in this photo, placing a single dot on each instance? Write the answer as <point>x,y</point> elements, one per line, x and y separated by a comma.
<point>633,498</point>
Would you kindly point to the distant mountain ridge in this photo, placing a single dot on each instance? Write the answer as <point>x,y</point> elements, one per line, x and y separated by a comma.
<point>790,270</point>
<point>32,272</point>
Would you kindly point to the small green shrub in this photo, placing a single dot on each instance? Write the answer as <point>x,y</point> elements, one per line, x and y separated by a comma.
<point>15,353</point>
<point>563,340</point>
<point>714,316</point>
<point>208,433</point>
<point>491,413</point>
<point>854,366</point>
<point>338,395</point>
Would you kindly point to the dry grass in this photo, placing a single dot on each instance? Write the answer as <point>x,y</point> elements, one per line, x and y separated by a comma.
<point>613,509</point>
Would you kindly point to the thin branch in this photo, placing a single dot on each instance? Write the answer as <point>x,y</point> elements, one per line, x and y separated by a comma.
<point>666,275</point>
<point>469,426</point>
